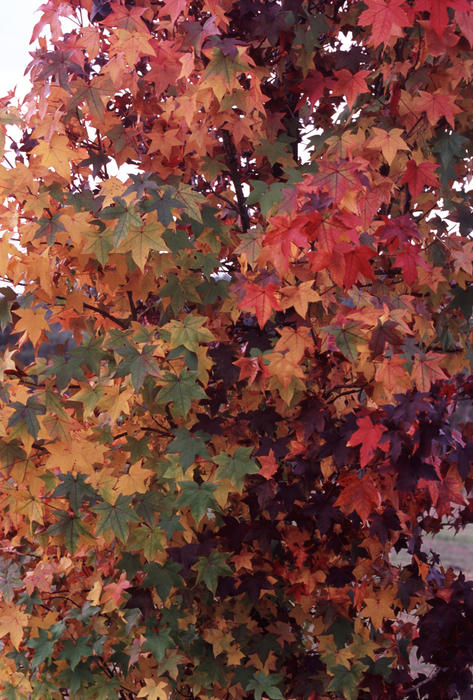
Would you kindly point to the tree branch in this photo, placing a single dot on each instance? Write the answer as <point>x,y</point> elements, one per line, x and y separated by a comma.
<point>119,321</point>
<point>232,162</point>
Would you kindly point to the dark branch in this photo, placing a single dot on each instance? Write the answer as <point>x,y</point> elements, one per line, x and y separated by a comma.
<point>232,163</point>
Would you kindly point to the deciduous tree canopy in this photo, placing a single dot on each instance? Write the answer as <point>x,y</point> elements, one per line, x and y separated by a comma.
<point>238,287</point>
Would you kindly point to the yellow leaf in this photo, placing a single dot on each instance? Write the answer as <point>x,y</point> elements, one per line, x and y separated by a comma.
<point>113,187</point>
<point>378,608</point>
<point>12,622</point>
<point>136,481</point>
<point>155,690</point>
<point>95,592</point>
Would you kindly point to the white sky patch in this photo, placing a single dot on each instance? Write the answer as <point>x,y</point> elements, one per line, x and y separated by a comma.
<point>17,19</point>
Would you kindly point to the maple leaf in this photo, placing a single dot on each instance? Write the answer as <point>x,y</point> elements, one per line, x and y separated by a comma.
<point>390,142</point>
<point>426,370</point>
<point>133,44</point>
<point>32,322</point>
<point>57,154</point>
<point>260,300</point>
<point>210,568</point>
<point>359,494</point>
<point>299,297</point>
<point>269,465</point>
<point>347,338</point>
<point>155,690</point>
<point>386,17</point>
<point>13,622</point>
<point>437,105</point>
<point>367,436</point>
<point>357,262</point>
<point>294,341</point>
<point>313,86</point>
<point>189,333</point>
<point>408,260</point>
<point>235,467</point>
<point>141,239</point>
<point>180,390</point>
<point>136,481</point>
<point>438,11</point>
<point>377,609</point>
<point>419,176</point>
<point>350,84</point>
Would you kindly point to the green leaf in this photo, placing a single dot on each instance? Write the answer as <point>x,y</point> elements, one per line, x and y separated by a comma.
<point>199,498</point>
<point>163,204</point>
<point>100,242</point>
<point>65,369</point>
<point>10,453</point>
<point>188,446</point>
<point>346,680</point>
<point>138,364</point>
<point>180,390</point>
<point>128,217</point>
<point>26,413</point>
<point>71,527</point>
<point>189,332</point>
<point>116,517</point>
<point>235,467</point>
<point>192,201</point>
<point>75,488</point>
<point>210,568</point>
<point>174,290</point>
<point>73,651</point>
<point>347,338</point>
<point>163,578</point>
<point>44,647</point>
<point>463,299</point>
<point>263,684</point>
<point>158,644</point>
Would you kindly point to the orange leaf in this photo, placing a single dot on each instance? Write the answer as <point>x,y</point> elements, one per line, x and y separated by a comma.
<point>390,142</point>
<point>270,466</point>
<point>294,341</point>
<point>32,322</point>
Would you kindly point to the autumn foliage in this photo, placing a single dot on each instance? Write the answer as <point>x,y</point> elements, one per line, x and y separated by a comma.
<point>237,347</point>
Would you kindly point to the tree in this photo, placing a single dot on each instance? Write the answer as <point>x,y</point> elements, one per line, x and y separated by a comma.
<point>237,250</point>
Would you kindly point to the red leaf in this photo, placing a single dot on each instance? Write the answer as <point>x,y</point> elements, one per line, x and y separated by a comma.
<point>350,84</point>
<point>367,436</point>
<point>386,17</point>
<point>260,301</point>
<point>438,12</point>
<point>357,262</point>
<point>437,105</point>
<point>419,175</point>
<point>358,494</point>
